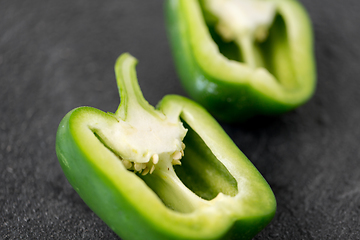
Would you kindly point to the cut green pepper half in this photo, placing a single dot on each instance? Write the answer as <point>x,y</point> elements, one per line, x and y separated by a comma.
<point>166,173</point>
<point>241,58</point>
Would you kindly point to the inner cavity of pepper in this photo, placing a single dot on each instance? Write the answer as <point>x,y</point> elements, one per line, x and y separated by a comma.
<point>202,172</point>
<point>271,51</point>
<point>199,171</point>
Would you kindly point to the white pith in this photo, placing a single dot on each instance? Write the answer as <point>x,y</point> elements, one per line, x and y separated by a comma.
<point>247,18</point>
<point>144,141</point>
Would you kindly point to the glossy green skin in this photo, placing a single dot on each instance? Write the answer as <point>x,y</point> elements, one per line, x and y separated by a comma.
<point>233,93</point>
<point>131,208</point>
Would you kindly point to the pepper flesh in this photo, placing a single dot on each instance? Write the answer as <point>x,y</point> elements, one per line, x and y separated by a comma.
<point>265,68</point>
<point>216,193</point>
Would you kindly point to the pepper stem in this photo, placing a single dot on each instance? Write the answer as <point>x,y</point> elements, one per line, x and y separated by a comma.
<point>132,99</point>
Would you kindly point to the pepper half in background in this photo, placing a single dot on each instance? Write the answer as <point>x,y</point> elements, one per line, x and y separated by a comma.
<point>132,169</point>
<point>241,58</point>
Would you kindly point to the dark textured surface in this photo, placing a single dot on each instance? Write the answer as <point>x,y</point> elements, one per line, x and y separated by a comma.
<point>58,55</point>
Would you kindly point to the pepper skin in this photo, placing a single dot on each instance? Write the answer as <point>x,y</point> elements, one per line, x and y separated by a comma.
<point>238,79</point>
<point>212,192</point>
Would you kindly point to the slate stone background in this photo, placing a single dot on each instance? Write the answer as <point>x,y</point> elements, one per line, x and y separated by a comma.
<point>58,55</point>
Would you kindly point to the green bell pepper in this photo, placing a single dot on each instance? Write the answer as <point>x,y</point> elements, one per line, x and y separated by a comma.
<point>241,58</point>
<point>132,169</point>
